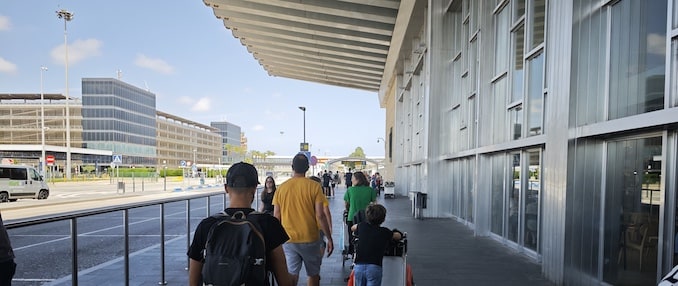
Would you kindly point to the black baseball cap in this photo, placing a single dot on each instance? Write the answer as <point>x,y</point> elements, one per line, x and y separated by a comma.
<point>300,163</point>
<point>242,175</point>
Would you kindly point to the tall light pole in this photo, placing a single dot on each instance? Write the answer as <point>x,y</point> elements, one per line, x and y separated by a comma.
<point>67,16</point>
<point>303,108</point>
<point>43,164</point>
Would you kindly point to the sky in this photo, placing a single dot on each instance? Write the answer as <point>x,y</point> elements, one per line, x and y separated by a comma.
<point>184,55</point>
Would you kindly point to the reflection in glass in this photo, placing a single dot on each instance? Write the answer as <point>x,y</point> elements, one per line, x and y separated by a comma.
<point>497,194</point>
<point>513,198</point>
<point>516,122</point>
<point>531,235</point>
<point>535,95</point>
<point>674,69</point>
<point>518,68</point>
<point>501,42</point>
<point>518,9</point>
<point>637,58</point>
<point>632,200</point>
<point>538,17</point>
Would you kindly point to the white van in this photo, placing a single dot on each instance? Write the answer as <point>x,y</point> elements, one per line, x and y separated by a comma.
<point>19,182</point>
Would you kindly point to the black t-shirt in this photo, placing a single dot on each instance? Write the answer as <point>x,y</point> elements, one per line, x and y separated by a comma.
<point>348,179</point>
<point>267,199</point>
<point>273,232</point>
<point>326,179</point>
<point>372,243</point>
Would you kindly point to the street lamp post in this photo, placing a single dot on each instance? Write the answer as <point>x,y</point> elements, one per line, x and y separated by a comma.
<point>43,164</point>
<point>67,16</point>
<point>303,108</point>
<point>164,167</point>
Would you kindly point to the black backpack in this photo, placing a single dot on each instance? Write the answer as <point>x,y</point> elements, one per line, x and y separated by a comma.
<point>235,252</point>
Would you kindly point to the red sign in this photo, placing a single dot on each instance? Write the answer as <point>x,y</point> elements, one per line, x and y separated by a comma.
<point>49,159</point>
<point>314,160</point>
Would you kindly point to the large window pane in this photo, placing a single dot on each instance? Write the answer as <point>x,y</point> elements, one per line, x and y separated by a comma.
<point>497,194</point>
<point>637,58</point>
<point>518,69</point>
<point>499,111</point>
<point>537,22</point>
<point>513,198</point>
<point>632,202</point>
<point>674,71</point>
<point>518,9</point>
<point>675,14</point>
<point>535,96</point>
<point>501,56</point>
<point>532,201</point>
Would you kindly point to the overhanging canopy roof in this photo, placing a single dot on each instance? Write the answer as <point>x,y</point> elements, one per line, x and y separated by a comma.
<point>337,42</point>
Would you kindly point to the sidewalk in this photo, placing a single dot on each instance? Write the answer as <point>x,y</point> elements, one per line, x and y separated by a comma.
<point>440,252</point>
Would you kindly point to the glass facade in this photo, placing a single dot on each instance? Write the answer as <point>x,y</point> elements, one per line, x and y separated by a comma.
<point>230,135</point>
<point>121,118</point>
<point>549,131</point>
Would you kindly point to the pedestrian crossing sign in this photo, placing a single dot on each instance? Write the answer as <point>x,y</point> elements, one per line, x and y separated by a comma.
<point>117,159</point>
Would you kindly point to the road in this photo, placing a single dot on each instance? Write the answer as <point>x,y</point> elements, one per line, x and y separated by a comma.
<point>43,252</point>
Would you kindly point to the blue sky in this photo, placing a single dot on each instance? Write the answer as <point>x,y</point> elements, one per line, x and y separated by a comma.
<point>193,64</point>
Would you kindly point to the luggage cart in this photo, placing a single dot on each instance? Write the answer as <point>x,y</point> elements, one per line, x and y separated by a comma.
<point>394,266</point>
<point>389,190</point>
<point>395,270</point>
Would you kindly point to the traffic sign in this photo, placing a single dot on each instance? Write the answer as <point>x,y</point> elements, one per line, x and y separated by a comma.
<point>49,159</point>
<point>314,160</point>
<point>117,159</point>
<point>182,163</point>
<point>307,154</point>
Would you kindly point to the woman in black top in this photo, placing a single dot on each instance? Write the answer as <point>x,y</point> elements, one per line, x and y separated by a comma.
<point>267,196</point>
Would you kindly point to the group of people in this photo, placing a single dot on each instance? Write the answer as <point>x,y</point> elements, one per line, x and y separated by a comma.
<point>299,231</point>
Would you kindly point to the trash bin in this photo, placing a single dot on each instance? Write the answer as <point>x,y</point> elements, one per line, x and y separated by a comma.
<point>121,186</point>
<point>419,204</point>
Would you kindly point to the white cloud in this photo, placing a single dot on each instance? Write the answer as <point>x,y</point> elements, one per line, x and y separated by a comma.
<point>203,104</point>
<point>258,128</point>
<point>6,66</point>
<point>656,44</point>
<point>5,25</point>
<point>157,65</point>
<point>77,51</point>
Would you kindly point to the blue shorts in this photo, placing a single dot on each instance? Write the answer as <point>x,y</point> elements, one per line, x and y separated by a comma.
<point>308,253</point>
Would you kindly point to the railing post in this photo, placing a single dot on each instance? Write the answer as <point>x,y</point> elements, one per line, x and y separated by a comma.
<point>125,221</point>
<point>74,252</point>
<point>162,245</point>
<point>188,230</point>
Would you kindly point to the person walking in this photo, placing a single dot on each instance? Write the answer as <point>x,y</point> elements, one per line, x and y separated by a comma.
<point>373,240</point>
<point>357,198</point>
<point>267,196</point>
<point>348,177</point>
<point>241,186</point>
<point>298,204</point>
<point>7,265</point>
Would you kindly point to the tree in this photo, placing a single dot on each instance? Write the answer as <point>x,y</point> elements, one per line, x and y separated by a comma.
<point>357,153</point>
<point>235,149</point>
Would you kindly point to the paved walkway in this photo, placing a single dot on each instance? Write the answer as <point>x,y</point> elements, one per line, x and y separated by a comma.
<point>440,252</point>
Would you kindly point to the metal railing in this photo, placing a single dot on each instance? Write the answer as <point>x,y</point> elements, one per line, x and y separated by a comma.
<point>72,217</point>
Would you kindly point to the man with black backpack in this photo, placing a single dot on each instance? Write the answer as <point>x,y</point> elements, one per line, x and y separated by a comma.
<point>239,246</point>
